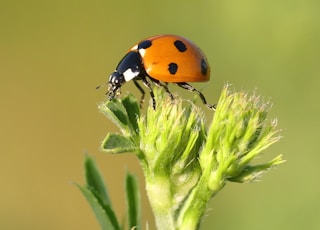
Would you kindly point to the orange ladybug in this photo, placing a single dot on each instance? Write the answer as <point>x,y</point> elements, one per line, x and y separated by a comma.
<point>161,59</point>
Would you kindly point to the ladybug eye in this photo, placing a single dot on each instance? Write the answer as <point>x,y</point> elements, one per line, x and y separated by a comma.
<point>116,78</point>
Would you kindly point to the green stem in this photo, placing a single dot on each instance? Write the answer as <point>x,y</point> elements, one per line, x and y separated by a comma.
<point>196,204</point>
<point>160,198</point>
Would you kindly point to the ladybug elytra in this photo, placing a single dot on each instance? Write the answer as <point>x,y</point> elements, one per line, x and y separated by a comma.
<point>161,60</point>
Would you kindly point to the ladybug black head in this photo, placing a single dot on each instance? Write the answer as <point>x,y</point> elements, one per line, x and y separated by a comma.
<point>116,80</point>
<point>128,68</point>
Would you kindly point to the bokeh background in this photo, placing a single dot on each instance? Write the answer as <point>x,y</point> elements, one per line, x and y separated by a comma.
<point>54,53</point>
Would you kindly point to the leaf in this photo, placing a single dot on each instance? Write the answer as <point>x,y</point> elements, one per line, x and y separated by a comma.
<point>131,105</point>
<point>116,112</point>
<point>116,143</point>
<point>133,202</point>
<point>95,182</point>
<point>104,214</point>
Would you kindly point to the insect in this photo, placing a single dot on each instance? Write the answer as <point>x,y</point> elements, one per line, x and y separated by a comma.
<point>161,60</point>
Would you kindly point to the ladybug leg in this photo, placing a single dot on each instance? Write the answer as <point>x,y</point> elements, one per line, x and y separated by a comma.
<point>186,86</point>
<point>165,86</point>
<point>148,85</point>
<point>142,92</point>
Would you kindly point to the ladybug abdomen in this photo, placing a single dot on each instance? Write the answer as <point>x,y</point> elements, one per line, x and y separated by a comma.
<point>173,59</point>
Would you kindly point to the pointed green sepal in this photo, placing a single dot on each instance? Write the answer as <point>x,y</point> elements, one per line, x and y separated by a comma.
<point>116,143</point>
<point>254,172</point>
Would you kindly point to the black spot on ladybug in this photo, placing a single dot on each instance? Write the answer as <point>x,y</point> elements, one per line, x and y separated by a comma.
<point>173,68</point>
<point>204,67</point>
<point>144,44</point>
<point>180,45</point>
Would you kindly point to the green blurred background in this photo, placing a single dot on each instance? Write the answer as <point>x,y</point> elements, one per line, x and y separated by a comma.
<point>54,53</point>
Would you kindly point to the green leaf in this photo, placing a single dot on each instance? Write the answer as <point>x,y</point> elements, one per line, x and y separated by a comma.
<point>116,112</point>
<point>124,113</point>
<point>133,202</point>
<point>116,143</point>
<point>95,182</point>
<point>104,214</point>
<point>131,105</point>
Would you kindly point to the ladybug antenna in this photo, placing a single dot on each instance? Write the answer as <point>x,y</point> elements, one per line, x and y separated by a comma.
<point>102,85</point>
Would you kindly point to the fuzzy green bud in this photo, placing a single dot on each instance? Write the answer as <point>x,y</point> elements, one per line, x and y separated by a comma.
<point>184,163</point>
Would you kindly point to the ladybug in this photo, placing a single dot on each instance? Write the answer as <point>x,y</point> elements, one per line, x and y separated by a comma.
<point>161,60</point>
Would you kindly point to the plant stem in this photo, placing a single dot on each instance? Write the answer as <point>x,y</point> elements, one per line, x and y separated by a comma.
<point>160,198</point>
<point>196,204</point>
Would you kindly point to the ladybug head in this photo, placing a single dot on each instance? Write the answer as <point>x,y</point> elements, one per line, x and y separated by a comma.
<point>116,80</point>
<point>128,68</point>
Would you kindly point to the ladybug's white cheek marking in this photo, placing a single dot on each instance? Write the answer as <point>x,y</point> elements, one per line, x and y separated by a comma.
<point>129,74</point>
<point>135,47</point>
<point>142,52</point>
